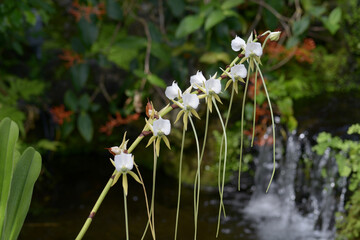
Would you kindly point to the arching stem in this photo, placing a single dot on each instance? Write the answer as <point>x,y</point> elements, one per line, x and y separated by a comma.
<point>179,187</point>
<point>242,124</point>
<point>224,168</point>
<point>272,124</point>
<point>197,177</point>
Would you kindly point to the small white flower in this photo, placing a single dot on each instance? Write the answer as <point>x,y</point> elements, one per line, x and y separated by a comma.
<point>213,85</point>
<point>173,91</point>
<point>190,101</point>
<point>238,70</point>
<point>124,162</point>
<point>197,79</point>
<point>237,43</point>
<point>253,48</point>
<point>161,126</point>
<point>274,36</point>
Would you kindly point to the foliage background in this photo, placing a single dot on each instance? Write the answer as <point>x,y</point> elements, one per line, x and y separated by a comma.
<point>75,75</point>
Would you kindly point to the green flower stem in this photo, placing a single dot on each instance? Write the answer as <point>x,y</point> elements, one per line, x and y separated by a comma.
<point>205,134</point>
<point>222,138</point>
<point>253,132</point>
<point>272,123</point>
<point>197,177</point>
<point>126,217</point>
<point>179,187</point>
<point>242,124</point>
<point>224,168</point>
<point>146,202</point>
<point>152,195</point>
<point>95,208</point>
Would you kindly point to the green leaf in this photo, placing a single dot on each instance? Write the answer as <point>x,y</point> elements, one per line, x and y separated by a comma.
<point>269,18</point>
<point>155,80</point>
<point>286,106</point>
<point>354,129</point>
<point>30,17</point>
<point>9,133</point>
<point>332,23</point>
<point>89,31</point>
<point>85,126</point>
<point>79,74</point>
<point>214,18</point>
<point>231,3</point>
<point>189,25</point>
<point>84,102</point>
<point>300,26</point>
<point>71,100</point>
<point>177,7</point>
<point>292,41</point>
<point>317,11</point>
<point>113,9</point>
<point>26,172</point>
<point>46,144</point>
<point>215,57</point>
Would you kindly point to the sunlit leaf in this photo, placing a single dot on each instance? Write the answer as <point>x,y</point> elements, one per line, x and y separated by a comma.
<point>189,25</point>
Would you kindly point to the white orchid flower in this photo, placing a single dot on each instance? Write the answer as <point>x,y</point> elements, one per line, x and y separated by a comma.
<point>237,44</point>
<point>173,91</point>
<point>190,101</point>
<point>161,127</point>
<point>238,70</point>
<point>213,86</point>
<point>253,48</point>
<point>124,162</point>
<point>197,79</point>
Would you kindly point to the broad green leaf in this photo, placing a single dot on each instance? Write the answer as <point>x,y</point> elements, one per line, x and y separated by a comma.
<point>9,133</point>
<point>85,126</point>
<point>155,80</point>
<point>26,172</point>
<point>68,127</point>
<point>214,18</point>
<point>71,100</point>
<point>231,3</point>
<point>113,9</point>
<point>79,74</point>
<point>89,31</point>
<point>300,26</point>
<point>189,25</point>
<point>177,7</point>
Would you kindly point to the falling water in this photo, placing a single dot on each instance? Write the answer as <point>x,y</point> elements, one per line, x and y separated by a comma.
<point>302,202</point>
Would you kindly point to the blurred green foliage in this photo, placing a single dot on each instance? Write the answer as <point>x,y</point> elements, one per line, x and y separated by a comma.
<point>347,155</point>
<point>102,57</point>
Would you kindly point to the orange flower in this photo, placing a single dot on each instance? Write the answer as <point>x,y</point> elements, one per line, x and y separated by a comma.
<point>117,121</point>
<point>59,114</point>
<point>71,58</point>
<point>85,11</point>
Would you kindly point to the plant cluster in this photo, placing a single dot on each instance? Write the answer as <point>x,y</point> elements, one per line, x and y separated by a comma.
<point>188,102</point>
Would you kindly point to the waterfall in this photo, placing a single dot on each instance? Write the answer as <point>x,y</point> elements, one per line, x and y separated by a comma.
<point>302,200</point>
